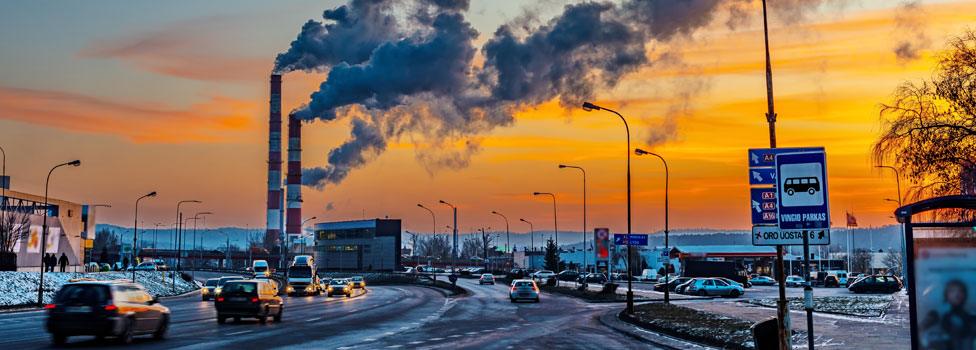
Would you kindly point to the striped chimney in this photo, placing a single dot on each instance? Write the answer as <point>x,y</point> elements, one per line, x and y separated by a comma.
<point>293,226</point>
<point>273,231</point>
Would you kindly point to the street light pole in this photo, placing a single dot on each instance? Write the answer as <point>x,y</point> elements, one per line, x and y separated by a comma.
<point>194,241</point>
<point>155,234</point>
<point>508,239</point>
<point>40,283</point>
<point>555,222</point>
<point>178,238</point>
<point>667,248</point>
<point>531,240</point>
<point>303,233</point>
<point>561,166</point>
<point>454,250</point>
<point>434,232</point>
<point>630,267</point>
<point>904,252</point>
<point>135,234</point>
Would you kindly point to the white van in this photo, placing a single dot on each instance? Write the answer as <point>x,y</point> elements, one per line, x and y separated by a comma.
<point>648,275</point>
<point>261,268</point>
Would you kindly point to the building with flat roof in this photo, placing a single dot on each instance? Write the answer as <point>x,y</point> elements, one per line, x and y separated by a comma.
<point>359,245</point>
<point>71,228</point>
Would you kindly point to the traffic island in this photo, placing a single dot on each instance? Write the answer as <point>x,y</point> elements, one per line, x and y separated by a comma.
<point>693,325</point>
<point>859,306</point>
<point>605,295</point>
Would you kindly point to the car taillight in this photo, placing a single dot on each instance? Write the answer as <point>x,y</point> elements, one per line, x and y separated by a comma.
<point>513,288</point>
<point>254,300</point>
<point>111,307</point>
<point>50,306</point>
<point>220,299</point>
<point>535,288</point>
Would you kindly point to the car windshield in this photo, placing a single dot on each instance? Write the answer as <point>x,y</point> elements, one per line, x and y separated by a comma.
<point>338,282</point>
<point>240,287</point>
<point>87,294</point>
<point>357,279</point>
<point>523,284</point>
<point>224,280</point>
<point>300,272</point>
<point>212,282</point>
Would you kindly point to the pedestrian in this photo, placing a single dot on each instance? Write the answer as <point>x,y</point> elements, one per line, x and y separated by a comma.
<point>53,262</point>
<point>44,263</point>
<point>63,261</point>
<point>48,265</point>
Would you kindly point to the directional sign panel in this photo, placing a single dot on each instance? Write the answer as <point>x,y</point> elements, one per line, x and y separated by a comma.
<point>762,205</point>
<point>635,239</point>
<point>762,176</point>
<point>772,235</point>
<point>766,157</point>
<point>802,200</point>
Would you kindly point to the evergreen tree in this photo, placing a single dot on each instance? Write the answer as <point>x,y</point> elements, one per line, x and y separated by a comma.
<point>552,256</point>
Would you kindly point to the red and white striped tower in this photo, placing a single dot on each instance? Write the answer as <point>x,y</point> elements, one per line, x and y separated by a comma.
<point>273,232</point>
<point>293,199</point>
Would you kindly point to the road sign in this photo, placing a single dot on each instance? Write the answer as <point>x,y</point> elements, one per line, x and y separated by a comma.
<point>762,176</point>
<point>635,239</point>
<point>772,235</point>
<point>802,200</point>
<point>601,237</point>
<point>766,157</point>
<point>762,205</point>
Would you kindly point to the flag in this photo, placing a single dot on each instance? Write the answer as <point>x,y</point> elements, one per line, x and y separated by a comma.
<point>851,220</point>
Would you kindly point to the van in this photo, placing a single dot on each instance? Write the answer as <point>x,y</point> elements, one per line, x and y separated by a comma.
<point>648,275</point>
<point>302,277</point>
<point>261,268</point>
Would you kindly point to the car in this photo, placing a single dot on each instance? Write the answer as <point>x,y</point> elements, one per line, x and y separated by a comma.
<point>487,278</point>
<point>543,274</point>
<point>713,286</point>
<point>762,281</point>
<point>161,265</point>
<point>358,282</point>
<point>145,266</point>
<point>261,268</point>
<point>681,288</point>
<point>672,284</point>
<point>568,276</point>
<point>648,275</point>
<point>209,289</point>
<point>670,277</point>
<point>249,298</point>
<point>105,309</point>
<point>598,278</point>
<point>104,267</point>
<point>853,278</point>
<point>876,284</point>
<point>731,281</point>
<point>795,281</point>
<point>339,287</point>
<point>524,289</point>
<point>223,280</point>
<point>831,281</point>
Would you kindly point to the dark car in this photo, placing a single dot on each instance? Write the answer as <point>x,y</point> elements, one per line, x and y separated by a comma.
<point>876,284</point>
<point>358,282</point>
<point>568,276</point>
<point>762,281</point>
<point>249,298</point>
<point>831,282</point>
<point>222,281</point>
<point>672,284</point>
<point>105,309</point>
<point>209,289</point>
<point>682,288</point>
<point>593,278</point>
<point>339,287</point>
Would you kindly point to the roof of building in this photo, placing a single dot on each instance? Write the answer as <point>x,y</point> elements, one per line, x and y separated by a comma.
<point>717,250</point>
<point>353,224</point>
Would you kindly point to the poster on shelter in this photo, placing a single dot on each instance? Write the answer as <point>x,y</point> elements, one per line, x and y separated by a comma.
<point>601,239</point>
<point>53,238</point>
<point>34,239</point>
<point>946,297</point>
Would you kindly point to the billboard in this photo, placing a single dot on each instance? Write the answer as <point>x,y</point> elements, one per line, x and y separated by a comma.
<point>601,240</point>
<point>946,297</point>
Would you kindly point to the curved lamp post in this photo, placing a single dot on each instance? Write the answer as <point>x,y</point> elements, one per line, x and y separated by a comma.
<point>531,239</point>
<point>455,246</point>
<point>555,222</point>
<point>508,240</point>
<point>40,283</point>
<point>667,248</point>
<point>135,233</point>
<point>562,166</point>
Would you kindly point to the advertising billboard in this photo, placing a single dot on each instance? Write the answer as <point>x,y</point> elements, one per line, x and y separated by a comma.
<point>946,297</point>
<point>601,240</point>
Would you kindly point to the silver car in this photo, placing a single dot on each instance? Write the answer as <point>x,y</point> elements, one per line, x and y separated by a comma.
<point>524,289</point>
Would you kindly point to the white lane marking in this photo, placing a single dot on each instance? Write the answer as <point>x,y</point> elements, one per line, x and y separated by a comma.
<point>394,346</point>
<point>314,319</point>
<point>389,333</point>
<point>471,333</point>
<point>239,333</point>
<point>369,339</point>
<point>436,339</point>
<point>344,348</point>
<point>416,342</point>
<point>454,336</point>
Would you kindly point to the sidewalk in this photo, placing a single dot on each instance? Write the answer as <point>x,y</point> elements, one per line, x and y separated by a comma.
<point>889,332</point>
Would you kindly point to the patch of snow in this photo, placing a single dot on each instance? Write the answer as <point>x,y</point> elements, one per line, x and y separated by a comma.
<point>20,288</point>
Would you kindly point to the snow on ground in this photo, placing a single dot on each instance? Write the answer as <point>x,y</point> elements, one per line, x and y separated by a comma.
<point>861,305</point>
<point>20,288</point>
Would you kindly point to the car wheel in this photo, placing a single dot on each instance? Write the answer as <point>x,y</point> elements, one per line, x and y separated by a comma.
<point>277,318</point>
<point>263,319</point>
<point>59,339</point>
<point>734,294</point>
<point>237,319</point>
<point>811,191</point>
<point>161,331</point>
<point>702,293</point>
<point>126,336</point>
<point>537,299</point>
<point>512,300</point>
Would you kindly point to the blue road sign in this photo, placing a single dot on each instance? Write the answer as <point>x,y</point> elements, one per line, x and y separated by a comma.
<point>802,200</point>
<point>762,176</point>
<point>762,205</point>
<point>766,157</point>
<point>635,239</point>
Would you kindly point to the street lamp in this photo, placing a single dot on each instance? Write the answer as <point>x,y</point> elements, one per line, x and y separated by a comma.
<point>904,252</point>
<point>194,241</point>
<point>508,239</point>
<point>562,166</point>
<point>40,283</point>
<point>178,236</point>
<point>88,254</point>
<point>555,223</point>
<point>531,239</point>
<point>454,249</point>
<point>303,233</point>
<point>434,232</point>
<point>135,233</point>
<point>667,248</point>
<point>630,271</point>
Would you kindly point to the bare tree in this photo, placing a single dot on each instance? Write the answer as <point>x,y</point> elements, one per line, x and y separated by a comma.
<point>861,261</point>
<point>892,261</point>
<point>14,226</point>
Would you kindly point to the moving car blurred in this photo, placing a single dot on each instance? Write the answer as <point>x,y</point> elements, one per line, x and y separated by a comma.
<point>146,266</point>
<point>209,289</point>
<point>487,278</point>
<point>714,286</point>
<point>876,284</point>
<point>831,282</point>
<point>358,282</point>
<point>249,298</point>
<point>223,280</point>
<point>105,309</point>
<point>543,274</point>
<point>339,287</point>
<point>794,281</point>
<point>524,289</point>
<point>762,281</point>
<point>672,284</point>
<point>598,278</point>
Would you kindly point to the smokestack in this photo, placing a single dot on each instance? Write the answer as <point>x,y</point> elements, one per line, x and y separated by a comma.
<point>294,186</point>
<point>273,231</point>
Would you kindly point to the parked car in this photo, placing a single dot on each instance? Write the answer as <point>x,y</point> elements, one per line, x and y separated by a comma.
<point>648,275</point>
<point>105,309</point>
<point>146,266</point>
<point>762,281</point>
<point>91,267</point>
<point>487,278</point>
<point>682,288</point>
<point>209,289</point>
<point>714,286</point>
<point>358,282</point>
<point>339,287</point>
<point>249,298</point>
<point>730,281</point>
<point>672,284</point>
<point>593,278</point>
<point>104,267</point>
<point>831,282</point>
<point>794,281</point>
<point>543,274</point>
<point>568,276</point>
<point>876,284</point>
<point>670,277</point>
<point>524,289</point>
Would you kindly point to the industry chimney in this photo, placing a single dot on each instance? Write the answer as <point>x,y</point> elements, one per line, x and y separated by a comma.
<point>293,225</point>
<point>273,232</point>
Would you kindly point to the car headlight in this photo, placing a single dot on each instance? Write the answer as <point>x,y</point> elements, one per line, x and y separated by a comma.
<point>217,290</point>
<point>330,289</point>
<point>290,289</point>
<point>309,288</point>
<point>204,291</point>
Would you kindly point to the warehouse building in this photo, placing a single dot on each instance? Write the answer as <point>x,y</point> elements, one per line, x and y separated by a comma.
<point>360,245</point>
<point>71,228</point>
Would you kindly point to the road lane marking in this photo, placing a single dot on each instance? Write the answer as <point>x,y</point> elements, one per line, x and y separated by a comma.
<point>369,339</point>
<point>239,333</point>
<point>436,339</point>
<point>454,336</point>
<point>394,346</point>
<point>416,342</point>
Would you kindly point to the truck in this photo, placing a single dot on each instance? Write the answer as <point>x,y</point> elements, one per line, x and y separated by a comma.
<point>727,269</point>
<point>303,278</point>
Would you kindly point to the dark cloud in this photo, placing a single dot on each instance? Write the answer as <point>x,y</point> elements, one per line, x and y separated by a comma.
<point>910,34</point>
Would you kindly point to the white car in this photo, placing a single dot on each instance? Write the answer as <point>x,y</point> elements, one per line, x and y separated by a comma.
<point>794,281</point>
<point>487,278</point>
<point>524,289</point>
<point>543,274</point>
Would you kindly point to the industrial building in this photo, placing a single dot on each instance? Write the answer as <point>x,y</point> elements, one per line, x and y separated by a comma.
<point>360,245</point>
<point>71,228</point>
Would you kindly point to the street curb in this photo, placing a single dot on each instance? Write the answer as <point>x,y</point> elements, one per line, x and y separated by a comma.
<point>613,321</point>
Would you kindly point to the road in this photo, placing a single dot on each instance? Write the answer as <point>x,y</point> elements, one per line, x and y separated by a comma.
<point>383,317</point>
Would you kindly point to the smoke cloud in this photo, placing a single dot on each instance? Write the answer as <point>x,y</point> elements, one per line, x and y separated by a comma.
<point>910,30</point>
<point>407,69</point>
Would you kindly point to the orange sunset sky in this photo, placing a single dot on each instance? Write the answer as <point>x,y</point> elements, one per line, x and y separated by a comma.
<point>172,97</point>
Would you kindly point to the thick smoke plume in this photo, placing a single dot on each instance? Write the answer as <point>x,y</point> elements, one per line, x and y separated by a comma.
<point>407,69</point>
<point>910,30</point>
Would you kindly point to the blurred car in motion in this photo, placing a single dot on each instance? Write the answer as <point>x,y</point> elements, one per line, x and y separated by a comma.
<point>105,309</point>
<point>794,281</point>
<point>249,298</point>
<point>672,284</point>
<point>146,266</point>
<point>223,280</point>
<point>762,281</point>
<point>339,287</point>
<point>543,274</point>
<point>831,281</point>
<point>209,289</point>
<point>358,282</point>
<point>568,276</point>
<point>876,284</point>
<point>261,268</point>
<point>524,289</point>
<point>713,286</point>
<point>487,278</point>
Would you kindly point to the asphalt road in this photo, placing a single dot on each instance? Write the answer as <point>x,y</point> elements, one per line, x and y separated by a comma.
<point>383,317</point>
